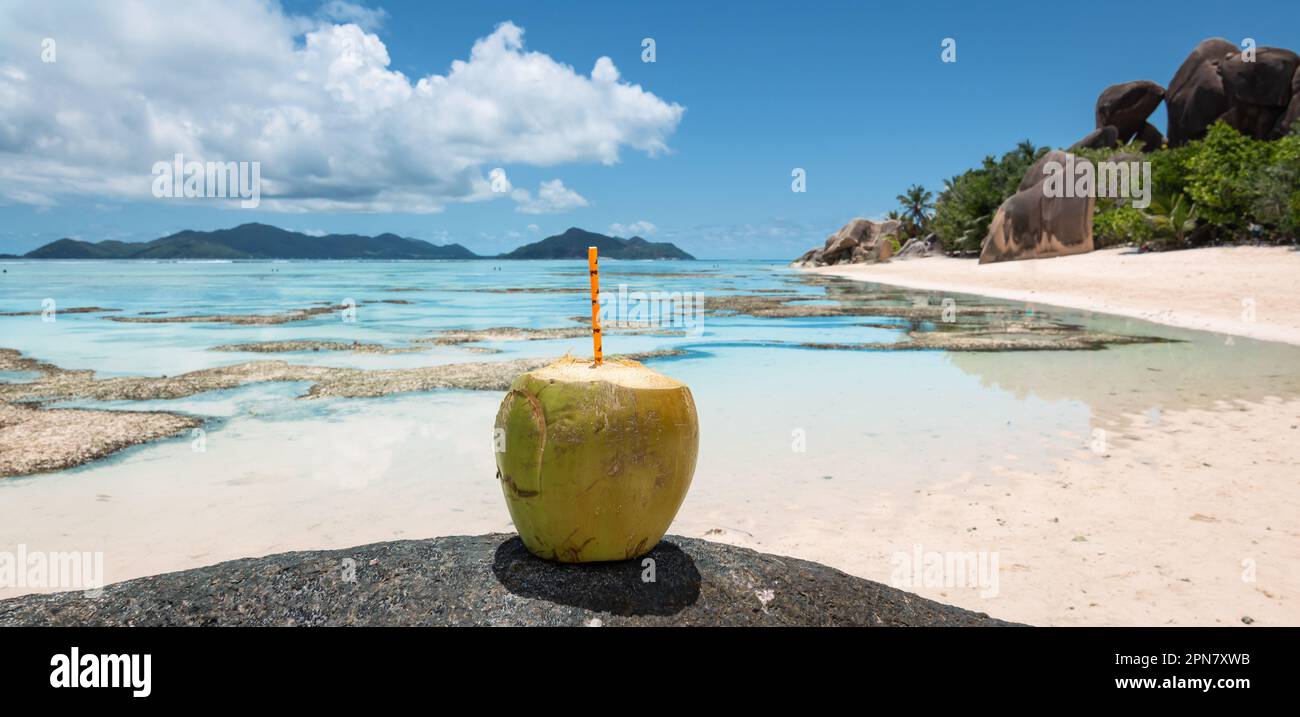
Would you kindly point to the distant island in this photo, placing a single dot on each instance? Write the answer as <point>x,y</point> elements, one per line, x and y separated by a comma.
<point>262,241</point>
<point>573,243</point>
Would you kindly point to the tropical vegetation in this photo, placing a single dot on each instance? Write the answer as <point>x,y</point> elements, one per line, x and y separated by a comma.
<point>1225,187</point>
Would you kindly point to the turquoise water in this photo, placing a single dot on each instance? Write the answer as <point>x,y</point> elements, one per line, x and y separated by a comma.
<point>446,295</point>
<point>790,437</point>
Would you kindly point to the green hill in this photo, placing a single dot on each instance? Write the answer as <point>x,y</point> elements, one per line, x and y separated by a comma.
<point>262,241</point>
<point>255,241</point>
<point>573,244</point>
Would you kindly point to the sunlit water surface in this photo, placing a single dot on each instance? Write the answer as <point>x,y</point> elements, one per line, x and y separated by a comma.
<point>795,442</point>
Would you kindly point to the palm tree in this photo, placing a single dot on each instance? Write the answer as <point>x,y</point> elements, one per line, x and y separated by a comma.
<point>917,204</point>
<point>1174,219</point>
<point>1027,150</point>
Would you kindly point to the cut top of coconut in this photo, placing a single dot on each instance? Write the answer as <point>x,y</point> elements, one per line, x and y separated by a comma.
<point>626,373</point>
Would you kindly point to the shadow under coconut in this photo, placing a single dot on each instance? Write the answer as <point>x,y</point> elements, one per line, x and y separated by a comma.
<point>613,587</point>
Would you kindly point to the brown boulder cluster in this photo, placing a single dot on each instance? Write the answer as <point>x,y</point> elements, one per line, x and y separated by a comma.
<point>1258,96</point>
<point>1255,91</point>
<point>1124,108</point>
<point>861,241</point>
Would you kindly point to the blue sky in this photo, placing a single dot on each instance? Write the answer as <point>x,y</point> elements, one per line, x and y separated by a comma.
<point>852,92</point>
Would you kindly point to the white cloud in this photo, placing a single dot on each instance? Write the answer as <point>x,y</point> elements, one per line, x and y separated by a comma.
<point>641,228</point>
<point>534,228</point>
<point>552,198</point>
<point>369,19</point>
<point>138,81</point>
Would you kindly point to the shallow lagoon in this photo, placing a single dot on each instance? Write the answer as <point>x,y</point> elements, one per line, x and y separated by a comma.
<point>794,441</point>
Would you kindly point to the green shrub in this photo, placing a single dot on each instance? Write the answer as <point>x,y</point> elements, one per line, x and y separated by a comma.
<point>1134,149</point>
<point>1222,172</point>
<point>1275,190</point>
<point>1169,170</point>
<point>968,201</point>
<point>1172,218</point>
<point>1114,225</point>
<point>1226,180</point>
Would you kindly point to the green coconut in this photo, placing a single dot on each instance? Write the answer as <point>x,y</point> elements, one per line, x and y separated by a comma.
<point>594,461</point>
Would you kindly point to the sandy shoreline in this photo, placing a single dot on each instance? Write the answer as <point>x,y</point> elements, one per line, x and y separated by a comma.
<point>1177,524</point>
<point>1242,291</point>
<point>1170,527</point>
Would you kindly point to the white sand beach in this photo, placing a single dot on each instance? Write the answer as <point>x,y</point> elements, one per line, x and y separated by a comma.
<point>1189,519</point>
<point>1194,521</point>
<point>1243,291</point>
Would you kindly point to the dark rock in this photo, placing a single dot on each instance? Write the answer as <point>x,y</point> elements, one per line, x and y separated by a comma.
<point>493,580</point>
<point>1101,138</point>
<point>1218,82</point>
<point>1196,98</point>
<point>1203,234</point>
<point>1035,174</point>
<point>1288,121</point>
<point>1151,138</point>
<point>1127,105</point>
<point>1253,120</point>
<point>1259,92</point>
<point>1032,225</point>
<point>1266,81</point>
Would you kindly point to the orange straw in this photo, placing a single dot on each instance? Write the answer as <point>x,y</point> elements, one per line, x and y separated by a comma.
<point>595,301</point>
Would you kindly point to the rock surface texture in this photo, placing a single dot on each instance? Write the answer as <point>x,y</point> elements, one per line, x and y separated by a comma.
<point>1126,107</point>
<point>861,241</point>
<point>1259,91</point>
<point>1032,225</point>
<point>1195,98</point>
<point>1257,95</point>
<point>1100,138</point>
<point>492,580</point>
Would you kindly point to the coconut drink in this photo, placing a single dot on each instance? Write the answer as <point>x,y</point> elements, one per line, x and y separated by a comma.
<point>595,457</point>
